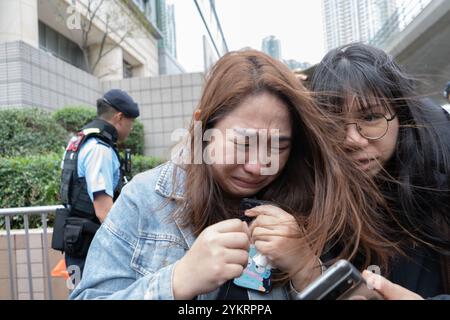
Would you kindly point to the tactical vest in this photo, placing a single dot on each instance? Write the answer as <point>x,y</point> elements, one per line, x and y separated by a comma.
<point>76,225</point>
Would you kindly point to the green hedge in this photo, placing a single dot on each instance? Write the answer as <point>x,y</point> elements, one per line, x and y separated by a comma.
<point>141,164</point>
<point>26,132</point>
<point>35,181</point>
<point>29,181</point>
<point>135,140</point>
<point>32,142</point>
<point>73,118</point>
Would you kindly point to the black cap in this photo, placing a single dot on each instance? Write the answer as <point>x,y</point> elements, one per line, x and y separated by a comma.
<point>121,101</point>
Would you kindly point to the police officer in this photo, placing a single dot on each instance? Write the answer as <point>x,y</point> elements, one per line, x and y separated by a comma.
<point>92,176</point>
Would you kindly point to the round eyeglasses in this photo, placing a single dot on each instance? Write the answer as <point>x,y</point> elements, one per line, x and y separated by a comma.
<point>372,126</point>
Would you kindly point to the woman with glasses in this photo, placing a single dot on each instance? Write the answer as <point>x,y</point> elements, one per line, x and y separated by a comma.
<point>403,142</point>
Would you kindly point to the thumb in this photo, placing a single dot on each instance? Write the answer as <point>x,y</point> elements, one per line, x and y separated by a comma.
<point>388,290</point>
<point>246,229</point>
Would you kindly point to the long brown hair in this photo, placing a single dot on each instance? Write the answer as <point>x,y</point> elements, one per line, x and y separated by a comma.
<point>332,200</point>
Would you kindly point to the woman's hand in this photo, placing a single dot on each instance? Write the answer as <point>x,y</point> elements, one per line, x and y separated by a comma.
<point>277,235</point>
<point>389,290</point>
<point>219,254</point>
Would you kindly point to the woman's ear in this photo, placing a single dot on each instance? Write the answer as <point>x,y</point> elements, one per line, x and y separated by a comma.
<point>197,114</point>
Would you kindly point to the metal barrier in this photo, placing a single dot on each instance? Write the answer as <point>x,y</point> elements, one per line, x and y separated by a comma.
<point>26,212</point>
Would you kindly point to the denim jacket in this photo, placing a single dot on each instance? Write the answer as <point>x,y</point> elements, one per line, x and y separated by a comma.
<point>135,250</point>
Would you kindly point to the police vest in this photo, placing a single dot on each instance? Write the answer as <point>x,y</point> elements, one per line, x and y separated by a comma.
<point>74,194</point>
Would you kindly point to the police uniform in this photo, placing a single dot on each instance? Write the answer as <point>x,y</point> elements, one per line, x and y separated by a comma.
<point>91,164</point>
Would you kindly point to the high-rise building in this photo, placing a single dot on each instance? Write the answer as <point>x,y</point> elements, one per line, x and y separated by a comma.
<point>165,20</point>
<point>272,46</point>
<point>347,21</point>
<point>167,46</point>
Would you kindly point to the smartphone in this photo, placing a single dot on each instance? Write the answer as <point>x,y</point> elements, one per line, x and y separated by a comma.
<point>249,203</point>
<point>339,282</point>
<point>258,273</point>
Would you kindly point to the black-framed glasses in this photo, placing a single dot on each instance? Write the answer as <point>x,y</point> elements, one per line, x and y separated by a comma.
<point>372,126</point>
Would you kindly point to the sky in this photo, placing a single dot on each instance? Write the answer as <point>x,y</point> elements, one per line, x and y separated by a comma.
<point>297,23</point>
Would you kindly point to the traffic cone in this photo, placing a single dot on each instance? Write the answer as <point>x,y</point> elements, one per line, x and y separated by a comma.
<point>60,270</point>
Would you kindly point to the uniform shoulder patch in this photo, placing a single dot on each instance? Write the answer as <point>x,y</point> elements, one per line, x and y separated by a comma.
<point>90,131</point>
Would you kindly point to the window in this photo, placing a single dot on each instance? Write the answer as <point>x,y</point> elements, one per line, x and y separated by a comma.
<point>60,46</point>
<point>127,70</point>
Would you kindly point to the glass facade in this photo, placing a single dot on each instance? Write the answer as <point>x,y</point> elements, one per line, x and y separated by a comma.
<point>165,21</point>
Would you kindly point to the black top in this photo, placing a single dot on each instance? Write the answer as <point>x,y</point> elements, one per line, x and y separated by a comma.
<point>421,272</point>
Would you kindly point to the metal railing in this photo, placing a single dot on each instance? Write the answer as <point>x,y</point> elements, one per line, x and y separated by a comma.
<point>404,14</point>
<point>26,212</point>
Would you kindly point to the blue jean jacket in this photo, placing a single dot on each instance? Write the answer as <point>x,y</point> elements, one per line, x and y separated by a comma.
<point>135,250</point>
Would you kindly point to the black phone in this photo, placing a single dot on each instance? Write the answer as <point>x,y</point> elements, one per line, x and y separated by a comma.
<point>249,203</point>
<point>339,282</point>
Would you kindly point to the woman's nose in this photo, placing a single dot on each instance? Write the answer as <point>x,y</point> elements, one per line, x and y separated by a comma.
<point>353,138</point>
<point>253,168</point>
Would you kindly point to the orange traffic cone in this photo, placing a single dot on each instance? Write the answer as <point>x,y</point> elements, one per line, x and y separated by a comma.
<point>60,270</point>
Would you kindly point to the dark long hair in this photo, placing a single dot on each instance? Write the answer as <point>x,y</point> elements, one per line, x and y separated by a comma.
<point>319,185</point>
<point>416,179</point>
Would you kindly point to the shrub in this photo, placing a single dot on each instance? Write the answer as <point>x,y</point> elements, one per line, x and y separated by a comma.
<point>29,181</point>
<point>73,118</point>
<point>29,132</point>
<point>32,142</point>
<point>141,164</point>
<point>35,181</point>
<point>135,140</point>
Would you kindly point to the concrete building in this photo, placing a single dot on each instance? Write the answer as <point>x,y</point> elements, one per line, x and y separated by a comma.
<point>347,21</point>
<point>42,64</point>
<point>122,33</point>
<point>167,46</point>
<point>272,46</point>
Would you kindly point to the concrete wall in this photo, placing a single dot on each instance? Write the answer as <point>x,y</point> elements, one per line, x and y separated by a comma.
<point>19,21</point>
<point>32,77</point>
<point>20,269</point>
<point>166,104</point>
